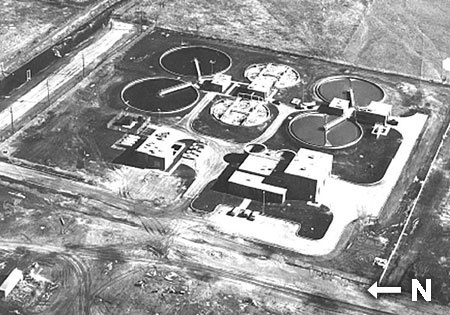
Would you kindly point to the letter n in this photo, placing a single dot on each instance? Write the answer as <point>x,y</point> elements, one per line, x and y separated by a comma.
<point>426,294</point>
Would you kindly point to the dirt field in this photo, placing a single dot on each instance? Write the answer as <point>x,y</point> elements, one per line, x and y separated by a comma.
<point>85,267</point>
<point>86,261</point>
<point>26,24</point>
<point>424,253</point>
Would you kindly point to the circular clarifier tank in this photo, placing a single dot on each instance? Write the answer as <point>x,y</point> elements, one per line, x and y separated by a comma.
<point>310,130</point>
<point>159,95</point>
<point>364,90</point>
<point>181,60</point>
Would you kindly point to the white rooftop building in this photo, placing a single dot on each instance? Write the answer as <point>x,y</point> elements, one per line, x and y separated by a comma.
<point>260,164</point>
<point>309,171</point>
<point>261,176</point>
<point>375,112</point>
<point>161,146</point>
<point>311,164</point>
<point>340,104</point>
<point>222,81</point>
<point>263,85</point>
<point>10,282</point>
<point>255,188</point>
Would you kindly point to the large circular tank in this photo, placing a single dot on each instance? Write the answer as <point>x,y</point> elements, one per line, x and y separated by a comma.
<point>338,86</point>
<point>180,60</point>
<point>309,129</point>
<point>159,95</point>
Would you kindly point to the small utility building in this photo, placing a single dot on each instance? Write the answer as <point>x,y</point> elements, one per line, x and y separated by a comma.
<point>219,83</point>
<point>375,112</point>
<point>9,278</point>
<point>262,86</point>
<point>338,107</point>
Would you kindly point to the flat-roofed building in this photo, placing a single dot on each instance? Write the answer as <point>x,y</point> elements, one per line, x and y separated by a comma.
<point>260,164</point>
<point>127,141</point>
<point>338,106</point>
<point>375,112</point>
<point>160,149</point>
<point>262,86</point>
<point>446,69</point>
<point>252,186</point>
<point>307,174</point>
<point>10,282</point>
<point>219,83</point>
<point>270,177</point>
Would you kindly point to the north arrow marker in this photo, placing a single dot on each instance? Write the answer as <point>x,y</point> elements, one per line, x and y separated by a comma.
<point>375,290</point>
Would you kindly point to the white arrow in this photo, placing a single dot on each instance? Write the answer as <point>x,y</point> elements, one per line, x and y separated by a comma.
<point>375,289</point>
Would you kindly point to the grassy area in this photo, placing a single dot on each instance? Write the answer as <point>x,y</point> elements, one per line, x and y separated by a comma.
<point>399,35</point>
<point>306,26</point>
<point>329,27</point>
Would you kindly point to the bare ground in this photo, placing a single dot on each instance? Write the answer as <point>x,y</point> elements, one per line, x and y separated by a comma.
<point>379,34</point>
<point>23,23</point>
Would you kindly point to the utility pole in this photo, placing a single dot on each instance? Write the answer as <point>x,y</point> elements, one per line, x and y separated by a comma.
<point>140,21</point>
<point>83,63</point>
<point>2,69</point>
<point>140,17</point>
<point>48,94</point>
<point>421,62</point>
<point>303,82</point>
<point>264,202</point>
<point>212,62</point>
<point>12,119</point>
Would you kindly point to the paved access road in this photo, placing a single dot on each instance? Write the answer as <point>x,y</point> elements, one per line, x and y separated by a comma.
<point>91,56</point>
